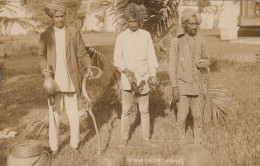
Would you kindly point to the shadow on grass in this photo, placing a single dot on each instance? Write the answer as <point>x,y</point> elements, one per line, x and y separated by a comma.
<point>157,106</point>
<point>108,102</point>
<point>103,107</point>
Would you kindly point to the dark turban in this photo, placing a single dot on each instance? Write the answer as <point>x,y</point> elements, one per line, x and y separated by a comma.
<point>55,5</point>
<point>136,11</point>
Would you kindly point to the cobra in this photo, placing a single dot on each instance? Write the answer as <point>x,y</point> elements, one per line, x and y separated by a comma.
<point>89,109</point>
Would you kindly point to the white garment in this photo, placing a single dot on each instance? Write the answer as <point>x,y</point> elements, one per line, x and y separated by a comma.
<point>135,51</point>
<point>62,77</point>
<point>69,100</point>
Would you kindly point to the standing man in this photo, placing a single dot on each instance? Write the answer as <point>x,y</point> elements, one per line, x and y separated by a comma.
<point>62,49</point>
<point>187,57</point>
<point>135,57</point>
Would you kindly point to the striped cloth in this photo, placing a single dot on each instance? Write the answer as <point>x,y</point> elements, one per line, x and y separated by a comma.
<point>192,102</point>
<point>185,88</point>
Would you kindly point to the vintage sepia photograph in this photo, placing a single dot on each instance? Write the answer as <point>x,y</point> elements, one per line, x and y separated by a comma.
<point>129,82</point>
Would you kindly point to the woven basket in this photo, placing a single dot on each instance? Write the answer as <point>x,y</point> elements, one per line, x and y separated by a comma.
<point>29,153</point>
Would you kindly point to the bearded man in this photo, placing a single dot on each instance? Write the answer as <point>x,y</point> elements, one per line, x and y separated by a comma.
<point>187,57</point>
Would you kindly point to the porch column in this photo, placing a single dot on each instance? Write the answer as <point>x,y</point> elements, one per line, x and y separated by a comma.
<point>251,9</point>
<point>244,8</point>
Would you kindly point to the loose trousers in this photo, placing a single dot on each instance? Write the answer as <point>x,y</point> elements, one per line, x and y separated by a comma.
<point>69,100</point>
<point>143,102</point>
<point>192,101</point>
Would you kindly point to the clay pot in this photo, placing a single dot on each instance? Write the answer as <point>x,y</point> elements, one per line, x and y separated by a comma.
<point>49,85</point>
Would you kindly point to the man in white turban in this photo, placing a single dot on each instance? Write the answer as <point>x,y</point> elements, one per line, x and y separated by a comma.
<point>61,51</point>
<point>134,56</point>
<point>187,57</point>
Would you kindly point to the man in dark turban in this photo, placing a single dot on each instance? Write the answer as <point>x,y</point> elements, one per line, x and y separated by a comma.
<point>134,56</point>
<point>61,51</point>
<point>187,57</point>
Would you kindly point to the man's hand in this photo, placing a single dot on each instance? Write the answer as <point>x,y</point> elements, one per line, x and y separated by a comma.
<point>46,72</point>
<point>201,64</point>
<point>128,73</point>
<point>89,72</point>
<point>92,51</point>
<point>175,94</point>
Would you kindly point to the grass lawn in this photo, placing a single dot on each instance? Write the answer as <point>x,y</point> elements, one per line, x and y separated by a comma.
<point>235,143</point>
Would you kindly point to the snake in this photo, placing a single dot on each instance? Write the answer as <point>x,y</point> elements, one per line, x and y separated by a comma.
<point>85,94</point>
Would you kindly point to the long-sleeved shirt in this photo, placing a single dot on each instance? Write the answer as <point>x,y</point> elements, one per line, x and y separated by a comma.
<point>62,77</point>
<point>135,51</point>
<point>183,68</point>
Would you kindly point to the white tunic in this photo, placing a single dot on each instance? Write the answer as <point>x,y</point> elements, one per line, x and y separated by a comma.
<point>135,51</point>
<point>62,77</point>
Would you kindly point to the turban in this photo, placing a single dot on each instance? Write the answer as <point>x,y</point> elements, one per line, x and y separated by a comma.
<point>136,11</point>
<point>185,15</point>
<point>55,5</point>
<point>188,13</point>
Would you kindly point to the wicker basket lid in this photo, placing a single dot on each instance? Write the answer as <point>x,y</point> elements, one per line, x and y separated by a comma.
<point>27,149</point>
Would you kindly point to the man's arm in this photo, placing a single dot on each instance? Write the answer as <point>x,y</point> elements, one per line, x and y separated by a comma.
<point>152,58</point>
<point>173,56</point>
<point>42,52</point>
<point>82,53</point>
<point>204,59</point>
<point>118,55</point>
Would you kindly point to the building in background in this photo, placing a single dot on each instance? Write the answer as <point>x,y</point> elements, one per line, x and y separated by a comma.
<point>95,15</point>
<point>231,17</point>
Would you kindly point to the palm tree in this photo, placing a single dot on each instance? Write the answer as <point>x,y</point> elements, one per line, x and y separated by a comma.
<point>161,17</point>
<point>161,21</point>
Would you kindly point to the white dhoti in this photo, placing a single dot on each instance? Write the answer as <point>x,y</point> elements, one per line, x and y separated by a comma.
<point>69,100</point>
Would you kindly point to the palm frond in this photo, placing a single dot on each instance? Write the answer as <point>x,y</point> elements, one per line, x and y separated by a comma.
<point>160,15</point>
<point>216,104</point>
<point>163,44</point>
<point>161,21</point>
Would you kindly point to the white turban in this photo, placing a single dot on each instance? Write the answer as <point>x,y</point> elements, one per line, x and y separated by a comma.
<point>188,13</point>
<point>185,15</point>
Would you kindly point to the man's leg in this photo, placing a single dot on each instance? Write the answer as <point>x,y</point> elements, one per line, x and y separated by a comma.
<point>145,116</point>
<point>197,118</point>
<point>183,110</point>
<point>126,106</point>
<point>71,106</point>
<point>54,120</point>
